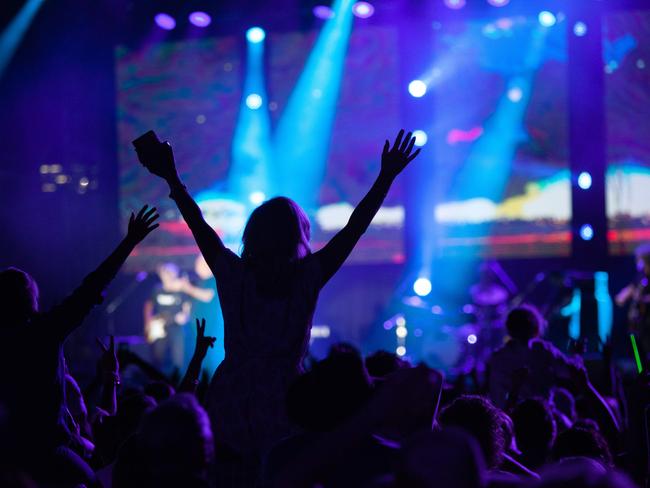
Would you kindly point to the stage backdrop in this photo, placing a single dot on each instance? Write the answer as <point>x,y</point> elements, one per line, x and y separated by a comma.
<point>626,60</point>
<point>498,137</point>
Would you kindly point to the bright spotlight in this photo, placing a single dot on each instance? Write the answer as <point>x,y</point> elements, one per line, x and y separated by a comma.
<point>401,332</point>
<point>255,34</point>
<point>586,232</point>
<point>363,10</point>
<point>455,4</point>
<point>257,197</point>
<point>400,351</point>
<point>422,287</point>
<point>546,18</point>
<point>323,12</point>
<point>584,180</point>
<point>417,88</point>
<point>200,19</point>
<point>498,3</point>
<point>420,137</point>
<point>515,94</point>
<point>165,21</point>
<point>580,29</point>
<point>471,339</point>
<point>253,101</point>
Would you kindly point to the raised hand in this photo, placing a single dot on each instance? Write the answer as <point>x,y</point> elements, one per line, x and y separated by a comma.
<point>159,160</point>
<point>203,342</point>
<point>142,224</point>
<point>109,364</point>
<point>395,159</point>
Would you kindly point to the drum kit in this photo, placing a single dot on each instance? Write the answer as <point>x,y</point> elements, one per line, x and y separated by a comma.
<point>459,340</point>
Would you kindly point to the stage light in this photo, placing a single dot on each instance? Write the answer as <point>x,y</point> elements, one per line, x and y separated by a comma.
<point>311,109</point>
<point>422,287</point>
<point>257,197</point>
<point>640,63</point>
<point>165,21</point>
<point>584,180</point>
<point>15,30</point>
<point>363,10</point>
<point>417,88</point>
<point>471,339</point>
<point>586,232</point>
<point>401,332</point>
<point>498,3</point>
<point>580,29</point>
<point>515,94</point>
<point>255,34</point>
<point>546,18</point>
<point>400,321</point>
<point>400,351</point>
<point>253,101</point>
<point>323,12</point>
<point>420,137</point>
<point>455,4</point>
<point>200,19</point>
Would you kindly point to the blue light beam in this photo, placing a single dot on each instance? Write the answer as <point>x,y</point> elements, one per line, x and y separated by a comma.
<point>15,31</point>
<point>303,133</point>
<point>251,147</point>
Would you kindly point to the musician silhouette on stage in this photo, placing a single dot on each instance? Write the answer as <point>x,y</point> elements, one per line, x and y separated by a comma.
<point>637,296</point>
<point>167,312</point>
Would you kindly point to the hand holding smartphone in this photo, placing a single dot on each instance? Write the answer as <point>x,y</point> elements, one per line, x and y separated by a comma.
<point>154,155</point>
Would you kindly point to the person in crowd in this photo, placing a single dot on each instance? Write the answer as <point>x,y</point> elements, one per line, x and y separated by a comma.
<point>268,296</point>
<point>32,388</point>
<point>174,447</point>
<point>535,431</point>
<point>167,313</point>
<point>544,364</point>
<point>637,296</point>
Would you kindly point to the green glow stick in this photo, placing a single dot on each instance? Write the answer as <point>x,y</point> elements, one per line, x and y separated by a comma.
<point>637,358</point>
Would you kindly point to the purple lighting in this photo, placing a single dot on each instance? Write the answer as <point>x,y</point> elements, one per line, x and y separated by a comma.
<point>498,3</point>
<point>363,10</point>
<point>165,21</point>
<point>455,4</point>
<point>200,19</point>
<point>323,12</point>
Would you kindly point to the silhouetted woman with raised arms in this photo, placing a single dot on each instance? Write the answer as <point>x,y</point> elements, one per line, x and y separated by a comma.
<point>268,297</point>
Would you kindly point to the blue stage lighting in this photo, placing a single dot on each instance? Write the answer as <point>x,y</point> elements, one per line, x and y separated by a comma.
<point>254,101</point>
<point>255,34</point>
<point>584,180</point>
<point>580,29</point>
<point>303,134</point>
<point>586,232</point>
<point>15,31</point>
<point>417,88</point>
<point>422,287</point>
<point>421,137</point>
<point>546,18</point>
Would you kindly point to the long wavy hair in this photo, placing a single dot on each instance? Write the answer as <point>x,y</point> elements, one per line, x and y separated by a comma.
<point>276,236</point>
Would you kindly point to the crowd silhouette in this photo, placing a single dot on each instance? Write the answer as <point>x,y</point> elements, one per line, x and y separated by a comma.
<point>266,420</point>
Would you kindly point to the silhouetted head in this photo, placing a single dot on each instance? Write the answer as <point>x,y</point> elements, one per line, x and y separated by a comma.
<point>534,430</point>
<point>581,473</point>
<point>477,416</point>
<point>175,442</point>
<point>335,388</point>
<point>581,442</point>
<point>18,296</point>
<point>382,363</point>
<point>277,231</point>
<point>524,323</point>
<point>450,458</point>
